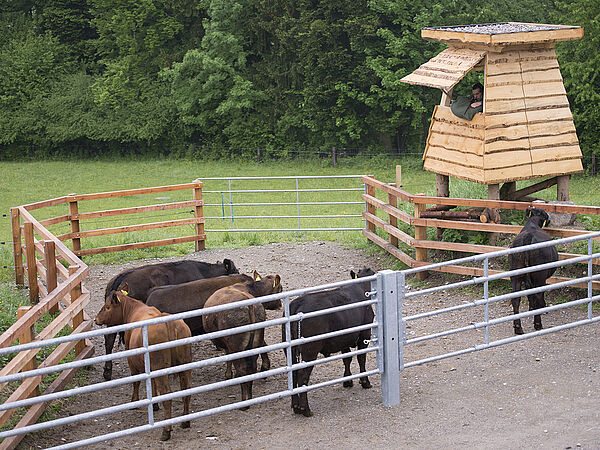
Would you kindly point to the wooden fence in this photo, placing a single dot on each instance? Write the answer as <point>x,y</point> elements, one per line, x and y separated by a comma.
<point>55,275</point>
<point>395,197</point>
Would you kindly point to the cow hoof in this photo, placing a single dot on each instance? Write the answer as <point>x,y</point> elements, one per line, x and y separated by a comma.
<point>366,384</point>
<point>298,410</point>
<point>348,384</point>
<point>107,374</point>
<point>155,407</point>
<point>165,436</point>
<point>538,326</point>
<point>519,330</point>
<point>307,412</point>
<point>185,424</point>
<point>244,408</point>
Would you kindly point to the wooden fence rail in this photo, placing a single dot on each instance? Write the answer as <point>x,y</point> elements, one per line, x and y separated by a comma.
<point>396,197</point>
<point>55,275</point>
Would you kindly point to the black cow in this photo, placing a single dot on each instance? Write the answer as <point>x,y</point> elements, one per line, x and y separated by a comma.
<point>340,320</point>
<point>140,280</point>
<point>531,234</point>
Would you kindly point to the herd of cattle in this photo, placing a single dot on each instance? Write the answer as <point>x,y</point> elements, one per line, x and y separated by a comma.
<point>155,290</point>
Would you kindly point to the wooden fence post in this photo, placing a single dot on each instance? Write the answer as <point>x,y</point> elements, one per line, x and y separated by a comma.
<point>51,274</point>
<point>393,201</point>
<point>26,338</point>
<point>34,291</point>
<point>442,189</point>
<point>74,216</point>
<point>198,214</point>
<point>334,155</point>
<point>420,235</point>
<point>15,220</point>
<point>77,318</point>
<point>494,194</point>
<point>371,209</point>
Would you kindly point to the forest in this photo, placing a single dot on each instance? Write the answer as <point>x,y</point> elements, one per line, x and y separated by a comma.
<point>223,78</point>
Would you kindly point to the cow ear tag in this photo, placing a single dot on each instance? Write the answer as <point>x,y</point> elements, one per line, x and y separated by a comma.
<point>355,276</point>
<point>274,283</point>
<point>544,224</point>
<point>124,292</point>
<point>258,278</point>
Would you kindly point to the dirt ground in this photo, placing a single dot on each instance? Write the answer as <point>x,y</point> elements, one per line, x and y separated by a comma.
<point>542,392</point>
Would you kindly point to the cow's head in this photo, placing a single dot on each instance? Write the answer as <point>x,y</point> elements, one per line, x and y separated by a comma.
<point>537,216</point>
<point>270,284</point>
<point>230,267</point>
<point>364,272</point>
<point>112,311</point>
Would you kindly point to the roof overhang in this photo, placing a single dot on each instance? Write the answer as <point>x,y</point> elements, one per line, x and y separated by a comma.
<point>446,69</point>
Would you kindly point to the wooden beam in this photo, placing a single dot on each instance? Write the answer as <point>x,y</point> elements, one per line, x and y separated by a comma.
<point>199,216</point>
<point>34,293</point>
<point>15,222</point>
<point>147,244</point>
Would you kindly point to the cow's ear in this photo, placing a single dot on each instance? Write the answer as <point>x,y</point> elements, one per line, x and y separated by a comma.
<point>124,287</point>
<point>277,281</point>
<point>544,223</point>
<point>353,275</point>
<point>115,298</point>
<point>528,213</point>
<point>256,276</point>
<point>227,265</point>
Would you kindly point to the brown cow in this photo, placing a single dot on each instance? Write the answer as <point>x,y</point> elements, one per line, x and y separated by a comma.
<point>120,309</point>
<point>238,317</point>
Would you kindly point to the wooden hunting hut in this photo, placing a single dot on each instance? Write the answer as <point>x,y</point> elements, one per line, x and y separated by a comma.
<point>526,130</point>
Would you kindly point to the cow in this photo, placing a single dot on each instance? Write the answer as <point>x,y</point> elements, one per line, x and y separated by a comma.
<point>258,287</point>
<point>531,233</point>
<point>141,280</point>
<point>336,321</point>
<point>120,309</point>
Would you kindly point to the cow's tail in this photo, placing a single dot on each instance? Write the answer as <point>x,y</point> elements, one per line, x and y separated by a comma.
<point>295,349</point>
<point>527,261</point>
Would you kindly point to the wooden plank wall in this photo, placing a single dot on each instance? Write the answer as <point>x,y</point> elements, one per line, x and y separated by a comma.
<point>529,130</point>
<point>455,146</point>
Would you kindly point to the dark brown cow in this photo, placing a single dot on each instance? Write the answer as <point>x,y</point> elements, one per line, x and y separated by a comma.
<point>140,280</point>
<point>327,323</point>
<point>531,233</point>
<point>238,317</point>
<point>120,309</point>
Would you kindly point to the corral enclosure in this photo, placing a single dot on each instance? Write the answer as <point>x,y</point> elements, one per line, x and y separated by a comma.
<point>290,260</point>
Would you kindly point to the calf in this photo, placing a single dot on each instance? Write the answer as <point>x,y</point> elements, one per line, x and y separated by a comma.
<point>120,309</point>
<point>328,323</point>
<point>531,234</point>
<point>140,280</point>
<point>238,317</point>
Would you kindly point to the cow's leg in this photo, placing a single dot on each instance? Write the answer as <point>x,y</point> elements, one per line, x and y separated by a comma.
<point>308,354</point>
<point>264,357</point>
<point>516,301</point>
<point>161,388</point>
<point>229,371</point>
<point>347,373</point>
<point>295,399</point>
<point>109,343</point>
<point>135,396</point>
<point>185,383</point>
<point>536,302</point>
<point>362,359</point>
<point>155,406</point>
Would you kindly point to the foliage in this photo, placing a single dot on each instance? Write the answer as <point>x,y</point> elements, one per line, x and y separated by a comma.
<point>224,77</point>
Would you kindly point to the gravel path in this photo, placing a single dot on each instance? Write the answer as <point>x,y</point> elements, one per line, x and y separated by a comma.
<point>542,392</point>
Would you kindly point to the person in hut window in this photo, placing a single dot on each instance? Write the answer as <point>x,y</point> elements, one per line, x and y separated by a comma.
<point>467,107</point>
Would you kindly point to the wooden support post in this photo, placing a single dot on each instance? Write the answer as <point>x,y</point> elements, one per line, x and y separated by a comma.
<point>446,98</point>
<point>77,318</point>
<point>371,209</point>
<point>421,235</point>
<point>198,214</point>
<point>15,220</point>
<point>51,274</point>
<point>508,190</point>
<point>562,188</point>
<point>442,189</point>
<point>34,291</point>
<point>26,338</point>
<point>494,194</point>
<point>74,216</point>
<point>393,201</point>
<point>334,156</point>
